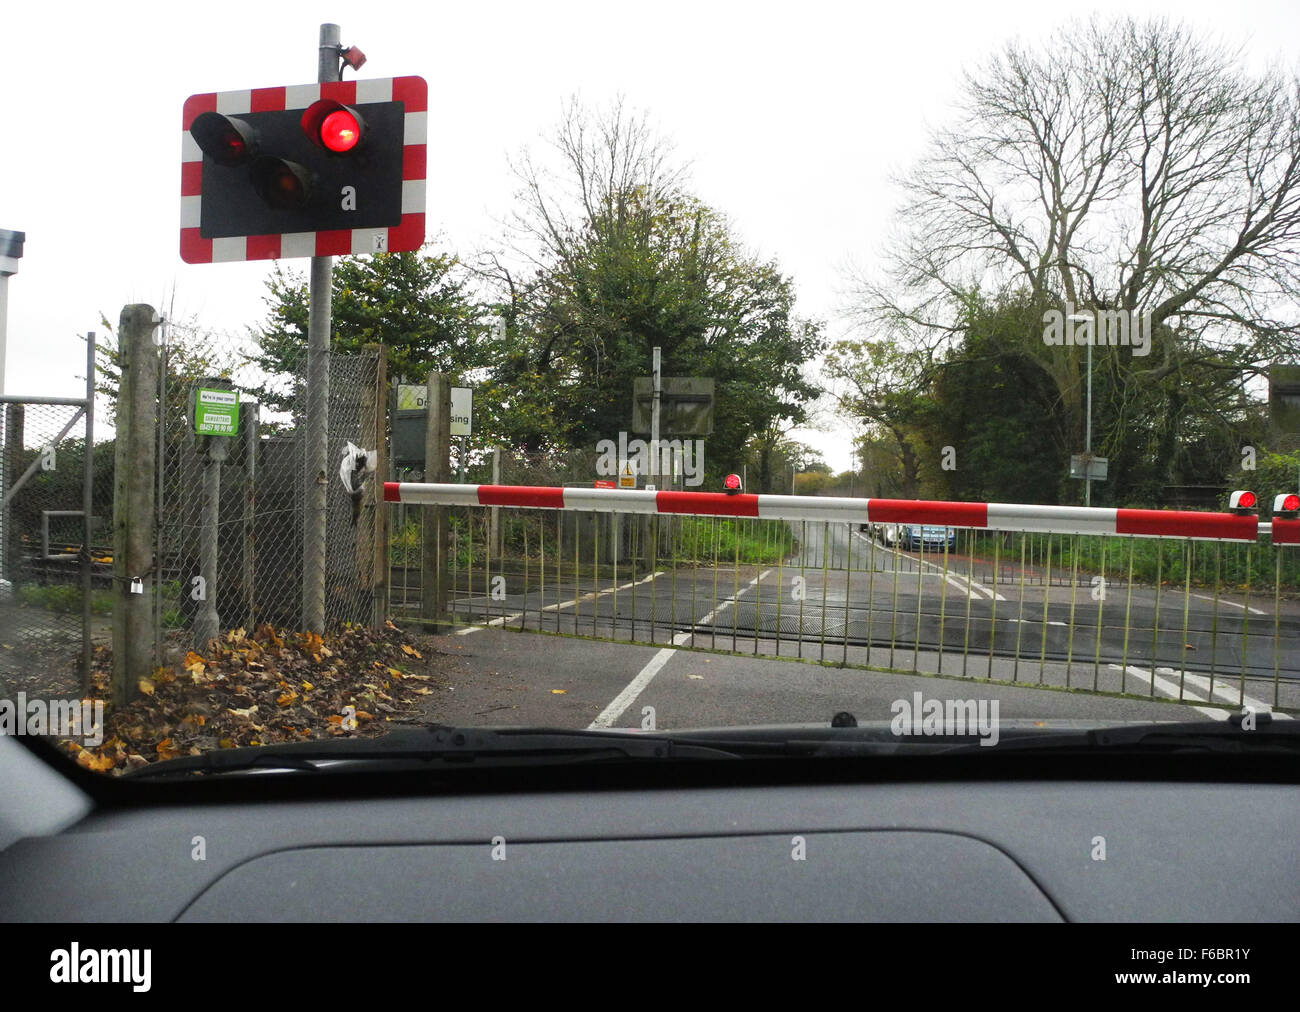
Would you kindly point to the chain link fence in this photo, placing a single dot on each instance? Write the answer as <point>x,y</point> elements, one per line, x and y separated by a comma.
<point>55,582</point>
<point>232,510</point>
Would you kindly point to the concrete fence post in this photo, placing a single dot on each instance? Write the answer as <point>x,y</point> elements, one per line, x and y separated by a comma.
<point>134,501</point>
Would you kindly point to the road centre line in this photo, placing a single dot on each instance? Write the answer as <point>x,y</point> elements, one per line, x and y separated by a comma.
<point>732,600</point>
<point>633,689</point>
<point>503,619</point>
<point>951,578</point>
<point>643,677</point>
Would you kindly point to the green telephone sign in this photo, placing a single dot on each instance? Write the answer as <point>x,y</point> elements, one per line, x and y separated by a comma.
<point>216,412</point>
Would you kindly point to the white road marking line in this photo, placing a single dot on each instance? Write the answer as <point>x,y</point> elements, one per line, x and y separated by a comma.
<point>956,580</point>
<point>602,593</point>
<point>634,688</point>
<point>1170,689</point>
<point>1231,604</point>
<point>732,600</point>
<point>643,678</point>
<point>1199,685</point>
<point>1224,692</point>
<point>502,619</point>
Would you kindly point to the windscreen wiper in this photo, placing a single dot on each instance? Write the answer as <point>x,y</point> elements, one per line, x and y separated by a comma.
<point>441,745</point>
<point>444,747</point>
<point>1281,737</point>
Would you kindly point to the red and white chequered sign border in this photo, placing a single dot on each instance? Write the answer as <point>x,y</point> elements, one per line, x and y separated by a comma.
<point>409,235</point>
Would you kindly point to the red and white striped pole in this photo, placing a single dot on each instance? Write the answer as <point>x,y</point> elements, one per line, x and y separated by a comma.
<point>991,516</point>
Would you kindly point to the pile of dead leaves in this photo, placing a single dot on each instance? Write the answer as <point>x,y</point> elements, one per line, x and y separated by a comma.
<point>268,687</point>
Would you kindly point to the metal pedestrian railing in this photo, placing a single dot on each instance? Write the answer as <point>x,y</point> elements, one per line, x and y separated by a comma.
<point>1198,607</point>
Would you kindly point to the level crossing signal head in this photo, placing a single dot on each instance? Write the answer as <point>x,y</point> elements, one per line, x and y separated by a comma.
<point>731,484</point>
<point>235,144</point>
<point>340,170</point>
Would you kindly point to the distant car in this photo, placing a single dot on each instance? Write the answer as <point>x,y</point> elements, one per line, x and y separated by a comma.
<point>917,537</point>
<point>913,537</point>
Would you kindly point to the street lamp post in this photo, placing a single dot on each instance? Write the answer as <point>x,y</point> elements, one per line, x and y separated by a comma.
<point>11,251</point>
<point>1087,435</point>
<point>1087,429</point>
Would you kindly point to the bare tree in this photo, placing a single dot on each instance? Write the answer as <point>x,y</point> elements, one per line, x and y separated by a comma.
<point>606,175</point>
<point>604,161</point>
<point>1125,166</point>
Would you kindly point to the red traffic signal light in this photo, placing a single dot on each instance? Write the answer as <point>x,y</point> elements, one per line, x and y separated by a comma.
<point>1287,502</point>
<point>1242,501</point>
<point>731,483</point>
<point>340,131</point>
<point>333,126</point>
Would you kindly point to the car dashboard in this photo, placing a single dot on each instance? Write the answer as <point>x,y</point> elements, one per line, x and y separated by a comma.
<point>746,841</point>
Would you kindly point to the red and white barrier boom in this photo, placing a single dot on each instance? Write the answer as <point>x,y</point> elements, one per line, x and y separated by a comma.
<point>976,515</point>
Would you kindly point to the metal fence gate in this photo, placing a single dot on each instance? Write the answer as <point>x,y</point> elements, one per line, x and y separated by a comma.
<point>1079,601</point>
<point>55,563</point>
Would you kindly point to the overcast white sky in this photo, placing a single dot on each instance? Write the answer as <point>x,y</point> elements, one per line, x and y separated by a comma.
<point>793,116</point>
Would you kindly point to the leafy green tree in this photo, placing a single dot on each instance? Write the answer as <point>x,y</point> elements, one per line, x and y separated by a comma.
<point>515,403</point>
<point>884,384</point>
<point>633,262</point>
<point>997,419</point>
<point>771,456</point>
<point>882,468</point>
<point>996,413</point>
<point>813,482</point>
<point>418,304</point>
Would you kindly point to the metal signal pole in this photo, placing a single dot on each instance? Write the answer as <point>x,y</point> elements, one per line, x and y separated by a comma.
<point>316,445</point>
<point>654,419</point>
